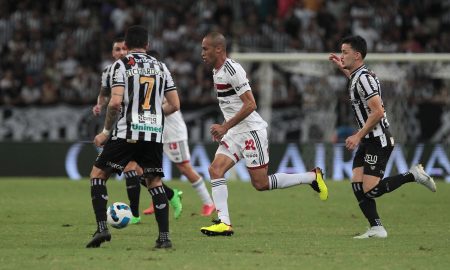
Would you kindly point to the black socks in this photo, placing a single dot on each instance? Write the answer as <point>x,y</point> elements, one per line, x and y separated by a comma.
<point>99,196</point>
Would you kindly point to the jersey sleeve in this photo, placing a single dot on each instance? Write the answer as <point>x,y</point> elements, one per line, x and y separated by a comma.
<point>238,78</point>
<point>117,74</point>
<point>169,83</point>
<point>369,86</point>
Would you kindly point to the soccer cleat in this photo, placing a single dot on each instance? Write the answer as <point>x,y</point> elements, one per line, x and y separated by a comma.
<point>373,232</point>
<point>319,184</point>
<point>135,220</point>
<point>98,238</point>
<point>150,210</point>
<point>175,202</point>
<point>218,228</point>
<point>422,177</point>
<point>163,244</point>
<point>208,209</point>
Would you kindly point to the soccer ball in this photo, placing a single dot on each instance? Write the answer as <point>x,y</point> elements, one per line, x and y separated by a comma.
<point>118,215</point>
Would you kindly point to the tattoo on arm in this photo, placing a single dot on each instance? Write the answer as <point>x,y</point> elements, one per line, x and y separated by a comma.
<point>115,94</point>
<point>111,117</point>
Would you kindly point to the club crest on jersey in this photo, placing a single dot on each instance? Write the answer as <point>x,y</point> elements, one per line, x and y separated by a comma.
<point>371,159</point>
<point>131,61</point>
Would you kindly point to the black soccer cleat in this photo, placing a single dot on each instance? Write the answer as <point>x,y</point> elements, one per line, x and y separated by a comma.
<point>163,244</point>
<point>98,238</point>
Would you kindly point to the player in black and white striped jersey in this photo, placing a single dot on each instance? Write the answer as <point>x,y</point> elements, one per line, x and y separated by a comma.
<point>135,121</point>
<point>132,171</point>
<point>373,140</point>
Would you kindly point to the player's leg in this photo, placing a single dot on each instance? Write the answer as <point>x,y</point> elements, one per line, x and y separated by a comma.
<point>115,155</point>
<point>198,184</point>
<point>368,168</point>
<point>99,196</point>
<point>220,165</point>
<point>255,152</point>
<point>133,175</point>
<point>150,159</point>
<point>174,196</point>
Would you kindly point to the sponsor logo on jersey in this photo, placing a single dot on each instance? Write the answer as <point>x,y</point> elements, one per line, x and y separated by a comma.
<point>131,61</point>
<point>149,119</point>
<point>146,128</point>
<point>240,86</point>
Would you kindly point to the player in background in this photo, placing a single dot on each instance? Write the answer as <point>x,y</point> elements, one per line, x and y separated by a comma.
<point>242,135</point>
<point>133,131</point>
<point>176,147</point>
<point>373,141</point>
<point>175,139</point>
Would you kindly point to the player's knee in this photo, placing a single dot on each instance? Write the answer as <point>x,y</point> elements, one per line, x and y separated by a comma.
<point>98,173</point>
<point>260,185</point>
<point>215,172</point>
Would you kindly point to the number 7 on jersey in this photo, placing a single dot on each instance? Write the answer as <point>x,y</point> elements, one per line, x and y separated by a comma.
<point>148,83</point>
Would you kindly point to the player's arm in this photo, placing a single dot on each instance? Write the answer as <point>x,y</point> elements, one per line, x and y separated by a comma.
<point>171,103</point>
<point>247,108</point>
<point>249,105</point>
<point>337,61</point>
<point>102,100</point>
<point>112,111</point>
<point>375,116</point>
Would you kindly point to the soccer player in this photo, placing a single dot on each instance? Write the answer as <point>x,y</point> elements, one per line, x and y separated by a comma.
<point>243,135</point>
<point>175,138</point>
<point>373,141</point>
<point>135,121</point>
<point>132,172</point>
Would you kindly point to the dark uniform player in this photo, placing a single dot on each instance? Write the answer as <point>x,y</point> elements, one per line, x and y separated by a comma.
<point>374,141</point>
<point>135,120</point>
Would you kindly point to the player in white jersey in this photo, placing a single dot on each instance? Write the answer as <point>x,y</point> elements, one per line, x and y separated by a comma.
<point>243,135</point>
<point>175,139</point>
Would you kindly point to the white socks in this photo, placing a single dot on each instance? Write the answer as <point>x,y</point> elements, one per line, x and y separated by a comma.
<point>220,197</point>
<point>284,180</point>
<point>202,191</point>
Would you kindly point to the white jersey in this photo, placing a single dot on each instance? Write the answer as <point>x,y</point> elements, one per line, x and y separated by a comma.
<point>175,129</point>
<point>230,81</point>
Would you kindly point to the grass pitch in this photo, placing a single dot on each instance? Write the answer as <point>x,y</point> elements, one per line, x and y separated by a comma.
<point>46,224</point>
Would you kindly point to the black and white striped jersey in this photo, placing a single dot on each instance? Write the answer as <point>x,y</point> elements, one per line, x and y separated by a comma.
<point>106,80</point>
<point>146,80</point>
<point>362,86</point>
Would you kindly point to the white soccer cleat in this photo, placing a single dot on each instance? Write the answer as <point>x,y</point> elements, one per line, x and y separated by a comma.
<point>422,177</point>
<point>373,232</point>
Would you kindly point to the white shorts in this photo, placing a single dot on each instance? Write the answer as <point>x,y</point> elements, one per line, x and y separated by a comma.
<point>252,145</point>
<point>178,152</point>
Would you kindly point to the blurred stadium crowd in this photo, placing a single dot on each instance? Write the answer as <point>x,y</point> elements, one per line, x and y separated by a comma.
<point>53,51</point>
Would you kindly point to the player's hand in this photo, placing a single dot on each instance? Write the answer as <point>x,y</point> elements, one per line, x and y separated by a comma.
<point>336,60</point>
<point>100,139</point>
<point>96,110</point>
<point>218,131</point>
<point>352,142</point>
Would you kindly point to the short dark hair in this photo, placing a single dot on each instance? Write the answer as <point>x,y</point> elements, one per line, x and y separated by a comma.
<point>118,40</point>
<point>358,44</point>
<point>153,53</point>
<point>136,37</point>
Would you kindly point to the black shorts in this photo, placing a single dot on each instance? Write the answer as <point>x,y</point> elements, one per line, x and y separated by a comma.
<point>373,156</point>
<point>118,152</point>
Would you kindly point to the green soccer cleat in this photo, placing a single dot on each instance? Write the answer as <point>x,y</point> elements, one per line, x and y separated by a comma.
<point>319,184</point>
<point>175,202</point>
<point>218,228</point>
<point>135,220</point>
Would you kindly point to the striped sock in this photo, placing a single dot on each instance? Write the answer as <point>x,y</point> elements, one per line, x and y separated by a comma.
<point>220,197</point>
